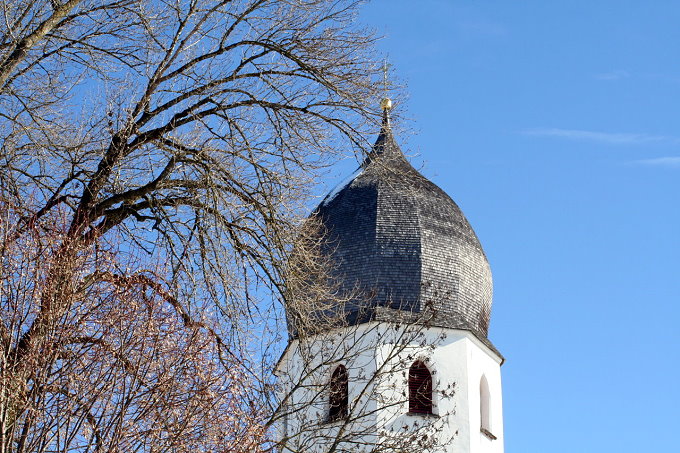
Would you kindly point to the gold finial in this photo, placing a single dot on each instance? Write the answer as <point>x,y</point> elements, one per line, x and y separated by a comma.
<point>386,103</point>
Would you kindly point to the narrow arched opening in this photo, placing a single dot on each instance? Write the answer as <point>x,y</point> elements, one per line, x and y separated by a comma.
<point>339,394</point>
<point>485,405</point>
<point>419,389</point>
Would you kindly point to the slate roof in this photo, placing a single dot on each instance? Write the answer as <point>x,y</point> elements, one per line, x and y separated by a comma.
<point>406,245</point>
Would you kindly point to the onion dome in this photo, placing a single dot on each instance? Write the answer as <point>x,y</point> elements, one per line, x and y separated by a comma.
<point>405,245</point>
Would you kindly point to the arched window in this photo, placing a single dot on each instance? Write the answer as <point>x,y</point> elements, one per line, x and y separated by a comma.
<point>419,389</point>
<point>484,405</point>
<point>338,398</point>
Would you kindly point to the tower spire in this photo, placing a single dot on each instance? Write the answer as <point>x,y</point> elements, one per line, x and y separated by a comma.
<point>386,102</point>
<point>385,144</point>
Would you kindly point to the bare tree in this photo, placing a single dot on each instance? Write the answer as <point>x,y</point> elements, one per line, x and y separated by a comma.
<point>120,369</point>
<point>155,158</point>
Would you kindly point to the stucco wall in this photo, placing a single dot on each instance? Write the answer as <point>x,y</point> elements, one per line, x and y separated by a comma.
<point>377,357</point>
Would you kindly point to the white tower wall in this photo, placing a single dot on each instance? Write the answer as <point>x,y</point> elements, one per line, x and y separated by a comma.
<point>377,357</point>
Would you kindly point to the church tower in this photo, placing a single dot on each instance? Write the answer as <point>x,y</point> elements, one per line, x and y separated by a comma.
<point>404,364</point>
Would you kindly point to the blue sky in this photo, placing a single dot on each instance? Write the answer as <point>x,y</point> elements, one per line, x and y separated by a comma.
<point>556,127</point>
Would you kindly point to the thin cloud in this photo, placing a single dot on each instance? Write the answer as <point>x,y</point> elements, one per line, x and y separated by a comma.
<point>599,137</point>
<point>659,162</point>
<point>613,75</point>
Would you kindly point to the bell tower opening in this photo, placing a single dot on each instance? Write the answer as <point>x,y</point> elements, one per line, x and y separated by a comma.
<point>419,389</point>
<point>339,394</point>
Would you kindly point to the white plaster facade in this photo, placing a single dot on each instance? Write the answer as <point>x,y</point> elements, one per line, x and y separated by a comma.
<point>377,357</point>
